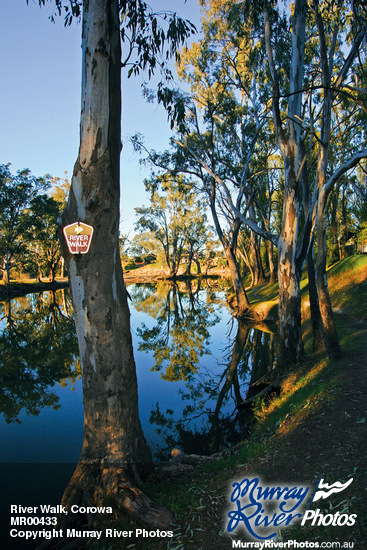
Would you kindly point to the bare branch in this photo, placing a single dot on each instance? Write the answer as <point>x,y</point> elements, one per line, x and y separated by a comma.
<point>351,163</point>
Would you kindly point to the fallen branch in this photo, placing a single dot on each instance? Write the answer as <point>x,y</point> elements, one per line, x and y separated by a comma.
<point>251,399</point>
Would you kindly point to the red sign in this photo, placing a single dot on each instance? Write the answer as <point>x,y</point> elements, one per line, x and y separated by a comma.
<point>78,236</point>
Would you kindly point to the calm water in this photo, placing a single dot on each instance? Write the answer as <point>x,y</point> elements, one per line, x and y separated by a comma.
<point>194,364</point>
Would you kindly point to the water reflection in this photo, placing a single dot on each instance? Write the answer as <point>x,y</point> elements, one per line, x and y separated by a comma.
<point>212,417</point>
<point>180,336</point>
<point>38,348</point>
<point>203,365</point>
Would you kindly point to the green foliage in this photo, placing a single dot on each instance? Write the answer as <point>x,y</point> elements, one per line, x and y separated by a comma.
<point>151,37</point>
<point>17,193</point>
<point>60,188</point>
<point>43,237</point>
<point>175,221</point>
<point>28,222</point>
<point>70,9</point>
<point>180,335</point>
<point>38,347</point>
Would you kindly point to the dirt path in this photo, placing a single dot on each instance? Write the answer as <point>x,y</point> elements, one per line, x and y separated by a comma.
<point>328,440</point>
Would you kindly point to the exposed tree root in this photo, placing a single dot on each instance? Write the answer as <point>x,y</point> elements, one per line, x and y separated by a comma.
<point>247,314</point>
<point>93,486</point>
<point>110,485</point>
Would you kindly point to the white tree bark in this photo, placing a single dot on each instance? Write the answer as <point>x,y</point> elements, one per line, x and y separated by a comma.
<point>288,136</point>
<point>115,453</point>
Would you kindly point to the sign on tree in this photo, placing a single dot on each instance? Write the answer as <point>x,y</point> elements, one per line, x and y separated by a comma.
<point>78,236</point>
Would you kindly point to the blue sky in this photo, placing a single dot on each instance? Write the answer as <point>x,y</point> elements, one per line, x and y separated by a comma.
<point>40,67</point>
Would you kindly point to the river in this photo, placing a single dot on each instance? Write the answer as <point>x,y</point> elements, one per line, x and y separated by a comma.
<point>194,364</point>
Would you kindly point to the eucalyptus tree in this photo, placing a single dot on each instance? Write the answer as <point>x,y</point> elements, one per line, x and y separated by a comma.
<point>289,80</point>
<point>288,138</point>
<point>337,71</point>
<point>42,234</point>
<point>217,140</point>
<point>115,453</point>
<point>16,194</point>
<point>198,234</point>
<point>292,120</point>
<point>144,244</point>
<point>225,73</point>
<point>175,218</point>
<point>292,81</point>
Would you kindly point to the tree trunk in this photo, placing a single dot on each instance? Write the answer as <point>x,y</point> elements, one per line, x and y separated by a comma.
<point>173,271</point>
<point>329,331</point>
<point>115,454</point>
<point>273,276</point>
<point>326,312</point>
<point>52,273</point>
<point>270,250</point>
<point>333,230</point>
<point>290,335</point>
<point>188,268</point>
<point>5,277</point>
<point>288,137</point>
<point>198,267</point>
<point>6,269</point>
<point>344,222</point>
<point>243,305</point>
<point>39,274</point>
<point>62,268</point>
<point>244,256</point>
<point>316,323</point>
<point>256,259</point>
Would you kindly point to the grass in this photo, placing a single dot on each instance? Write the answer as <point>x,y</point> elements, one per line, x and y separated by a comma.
<point>348,285</point>
<point>307,390</point>
<point>196,497</point>
<point>281,414</point>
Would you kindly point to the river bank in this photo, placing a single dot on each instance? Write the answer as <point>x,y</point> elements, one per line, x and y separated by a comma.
<point>315,428</point>
<point>21,288</point>
<point>143,274</point>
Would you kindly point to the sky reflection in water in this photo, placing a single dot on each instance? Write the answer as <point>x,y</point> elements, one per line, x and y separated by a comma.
<point>187,364</point>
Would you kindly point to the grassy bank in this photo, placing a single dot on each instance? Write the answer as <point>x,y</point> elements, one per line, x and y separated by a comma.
<point>316,427</point>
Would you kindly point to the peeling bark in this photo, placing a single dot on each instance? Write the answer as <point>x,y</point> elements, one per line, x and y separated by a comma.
<point>288,137</point>
<point>290,335</point>
<point>115,454</point>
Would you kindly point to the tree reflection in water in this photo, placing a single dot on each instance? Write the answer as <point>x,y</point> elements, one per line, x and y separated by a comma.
<point>38,348</point>
<point>179,337</point>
